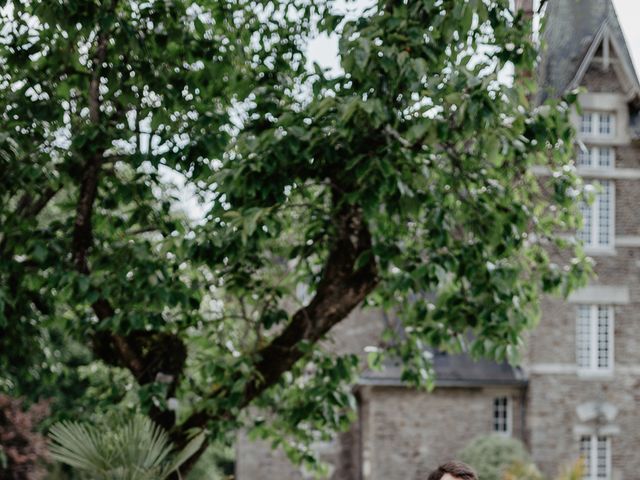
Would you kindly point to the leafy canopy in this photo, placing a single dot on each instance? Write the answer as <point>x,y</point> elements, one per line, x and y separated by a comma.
<point>404,182</point>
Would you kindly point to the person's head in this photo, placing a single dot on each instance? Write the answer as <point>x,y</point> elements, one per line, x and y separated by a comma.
<point>453,471</point>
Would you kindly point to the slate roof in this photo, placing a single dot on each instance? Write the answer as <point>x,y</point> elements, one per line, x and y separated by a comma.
<point>571,26</point>
<point>454,371</point>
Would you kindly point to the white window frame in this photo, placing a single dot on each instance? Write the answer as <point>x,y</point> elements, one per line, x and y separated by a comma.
<point>508,417</point>
<point>593,367</point>
<point>610,124</point>
<point>593,119</point>
<point>593,243</point>
<point>592,461</point>
<point>586,123</point>
<point>593,153</point>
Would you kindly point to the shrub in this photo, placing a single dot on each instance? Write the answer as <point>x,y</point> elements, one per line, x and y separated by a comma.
<point>23,451</point>
<point>573,472</point>
<point>522,471</point>
<point>491,456</point>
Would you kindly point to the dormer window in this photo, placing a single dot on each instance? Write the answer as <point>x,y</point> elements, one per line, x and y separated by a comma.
<point>597,124</point>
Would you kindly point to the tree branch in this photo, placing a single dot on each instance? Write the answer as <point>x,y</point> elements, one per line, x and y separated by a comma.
<point>28,209</point>
<point>416,146</point>
<point>36,207</point>
<point>83,233</point>
<point>342,288</point>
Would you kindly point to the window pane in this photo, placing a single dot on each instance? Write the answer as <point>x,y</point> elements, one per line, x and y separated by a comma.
<point>585,123</point>
<point>604,213</point>
<point>605,157</point>
<point>604,322</point>
<point>603,456</point>
<point>585,453</point>
<point>584,234</point>
<point>584,157</point>
<point>500,414</point>
<point>606,124</point>
<point>583,337</point>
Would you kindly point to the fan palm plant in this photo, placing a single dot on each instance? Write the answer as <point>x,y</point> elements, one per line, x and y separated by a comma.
<point>133,450</point>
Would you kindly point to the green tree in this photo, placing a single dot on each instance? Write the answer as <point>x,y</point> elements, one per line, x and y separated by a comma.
<point>405,181</point>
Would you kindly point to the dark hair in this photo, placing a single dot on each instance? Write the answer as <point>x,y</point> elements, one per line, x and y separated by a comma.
<point>455,469</point>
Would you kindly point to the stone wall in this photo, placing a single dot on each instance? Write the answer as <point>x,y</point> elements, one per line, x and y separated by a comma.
<point>256,460</point>
<point>627,157</point>
<point>556,389</point>
<point>410,432</point>
<point>595,80</point>
<point>627,201</point>
<point>552,420</point>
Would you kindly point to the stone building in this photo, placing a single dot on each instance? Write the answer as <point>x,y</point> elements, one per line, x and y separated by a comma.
<point>578,389</point>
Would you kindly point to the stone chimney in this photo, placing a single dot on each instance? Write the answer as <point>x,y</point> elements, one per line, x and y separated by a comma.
<point>526,6</point>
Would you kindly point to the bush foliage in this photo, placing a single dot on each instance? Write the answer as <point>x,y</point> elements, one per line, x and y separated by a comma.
<point>498,457</point>
<point>491,456</point>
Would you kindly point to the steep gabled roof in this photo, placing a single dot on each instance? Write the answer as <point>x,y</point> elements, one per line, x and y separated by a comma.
<point>574,30</point>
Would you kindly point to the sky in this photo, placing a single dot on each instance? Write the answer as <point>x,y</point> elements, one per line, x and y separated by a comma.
<point>325,50</point>
<point>629,14</point>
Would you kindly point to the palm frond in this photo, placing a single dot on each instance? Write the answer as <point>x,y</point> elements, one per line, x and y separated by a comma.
<point>143,443</point>
<point>133,450</point>
<point>192,447</point>
<point>78,446</point>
